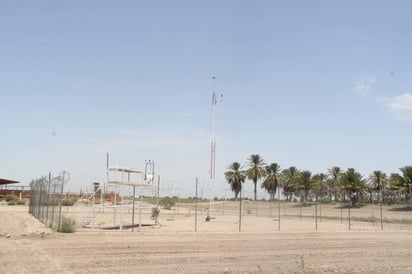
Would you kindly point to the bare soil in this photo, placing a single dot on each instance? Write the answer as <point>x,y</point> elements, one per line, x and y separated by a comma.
<point>27,246</point>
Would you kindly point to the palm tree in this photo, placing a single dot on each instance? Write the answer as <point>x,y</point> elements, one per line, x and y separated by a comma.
<point>305,183</point>
<point>334,174</point>
<point>396,187</point>
<point>271,181</point>
<point>256,169</point>
<point>378,181</point>
<point>235,177</point>
<point>353,184</point>
<point>403,182</point>
<point>289,181</point>
<point>320,184</point>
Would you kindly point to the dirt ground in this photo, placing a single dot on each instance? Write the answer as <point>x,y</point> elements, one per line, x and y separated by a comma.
<point>27,246</point>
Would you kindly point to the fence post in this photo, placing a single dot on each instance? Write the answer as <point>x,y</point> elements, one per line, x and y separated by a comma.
<point>39,203</point>
<point>279,208</point>
<point>196,207</point>
<point>240,212</point>
<point>60,201</point>
<point>316,214</point>
<point>380,205</point>
<point>48,199</point>
<point>350,205</point>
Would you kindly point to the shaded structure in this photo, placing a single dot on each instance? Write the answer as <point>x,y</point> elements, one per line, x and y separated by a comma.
<point>5,182</point>
<point>8,187</point>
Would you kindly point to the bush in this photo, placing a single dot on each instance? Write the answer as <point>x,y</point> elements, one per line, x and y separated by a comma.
<point>9,198</point>
<point>325,200</point>
<point>21,202</point>
<point>12,202</point>
<point>67,226</point>
<point>68,202</point>
<point>50,202</point>
<point>167,202</point>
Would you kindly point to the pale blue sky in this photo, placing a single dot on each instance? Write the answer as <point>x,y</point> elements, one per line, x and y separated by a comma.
<point>306,83</point>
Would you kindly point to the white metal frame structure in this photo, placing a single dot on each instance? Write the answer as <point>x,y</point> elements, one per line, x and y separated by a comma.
<point>127,180</point>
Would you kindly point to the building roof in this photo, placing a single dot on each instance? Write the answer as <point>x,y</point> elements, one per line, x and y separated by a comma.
<point>122,169</point>
<point>6,182</point>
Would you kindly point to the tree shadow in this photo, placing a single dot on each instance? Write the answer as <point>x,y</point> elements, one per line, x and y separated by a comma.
<point>303,205</point>
<point>348,206</point>
<point>405,208</point>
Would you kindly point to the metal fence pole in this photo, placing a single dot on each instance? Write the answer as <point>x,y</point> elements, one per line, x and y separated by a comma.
<point>196,206</point>
<point>240,212</point>
<point>350,205</point>
<point>48,199</point>
<point>316,214</point>
<point>380,205</point>
<point>278,208</point>
<point>60,201</point>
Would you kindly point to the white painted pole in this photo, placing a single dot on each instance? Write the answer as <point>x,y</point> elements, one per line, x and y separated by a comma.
<point>196,206</point>
<point>140,212</point>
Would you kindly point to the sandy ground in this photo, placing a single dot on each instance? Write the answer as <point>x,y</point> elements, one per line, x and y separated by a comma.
<point>27,246</point>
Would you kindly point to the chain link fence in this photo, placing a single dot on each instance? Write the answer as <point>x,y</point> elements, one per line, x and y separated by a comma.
<point>46,198</point>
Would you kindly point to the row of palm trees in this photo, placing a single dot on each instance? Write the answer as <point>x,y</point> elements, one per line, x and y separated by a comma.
<point>336,184</point>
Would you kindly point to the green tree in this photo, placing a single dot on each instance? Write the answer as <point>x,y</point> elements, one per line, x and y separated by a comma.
<point>256,170</point>
<point>305,184</point>
<point>289,178</point>
<point>334,176</point>
<point>271,181</point>
<point>235,177</point>
<point>320,185</point>
<point>353,184</point>
<point>378,180</point>
<point>168,202</point>
<point>403,182</point>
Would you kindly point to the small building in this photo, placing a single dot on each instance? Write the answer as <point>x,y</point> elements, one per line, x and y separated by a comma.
<point>6,189</point>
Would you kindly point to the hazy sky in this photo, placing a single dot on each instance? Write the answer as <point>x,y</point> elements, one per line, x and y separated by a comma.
<point>312,84</point>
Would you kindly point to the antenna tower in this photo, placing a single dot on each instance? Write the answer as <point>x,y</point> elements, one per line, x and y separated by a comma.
<point>213,146</point>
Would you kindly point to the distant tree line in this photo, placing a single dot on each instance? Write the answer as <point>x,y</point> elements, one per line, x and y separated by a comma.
<point>334,185</point>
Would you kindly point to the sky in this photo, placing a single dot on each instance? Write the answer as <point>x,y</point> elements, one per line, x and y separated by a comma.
<point>311,84</point>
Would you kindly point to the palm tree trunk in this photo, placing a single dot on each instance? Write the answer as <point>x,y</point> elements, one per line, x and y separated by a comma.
<point>254,191</point>
<point>371,196</point>
<point>379,194</point>
<point>306,197</point>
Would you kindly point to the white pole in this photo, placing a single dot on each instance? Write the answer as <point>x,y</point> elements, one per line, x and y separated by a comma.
<point>213,147</point>
<point>240,211</point>
<point>196,206</point>
<point>134,194</point>
<point>279,207</point>
<point>121,224</point>
<point>94,212</point>
<point>140,212</point>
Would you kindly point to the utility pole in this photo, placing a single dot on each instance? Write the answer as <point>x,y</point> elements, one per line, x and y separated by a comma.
<point>212,148</point>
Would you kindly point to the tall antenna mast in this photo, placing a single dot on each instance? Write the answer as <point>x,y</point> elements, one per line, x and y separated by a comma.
<point>213,145</point>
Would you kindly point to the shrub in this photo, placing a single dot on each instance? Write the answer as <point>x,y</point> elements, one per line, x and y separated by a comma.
<point>21,202</point>
<point>68,202</point>
<point>325,200</point>
<point>67,225</point>
<point>12,202</point>
<point>167,202</point>
<point>50,202</point>
<point>9,198</point>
